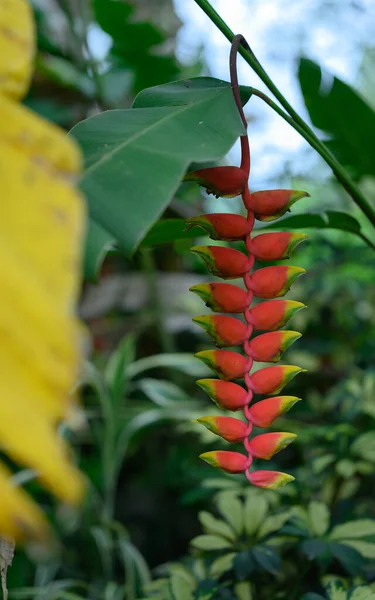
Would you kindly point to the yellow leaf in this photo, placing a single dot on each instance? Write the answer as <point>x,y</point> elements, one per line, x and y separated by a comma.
<point>41,225</point>
<point>17,47</point>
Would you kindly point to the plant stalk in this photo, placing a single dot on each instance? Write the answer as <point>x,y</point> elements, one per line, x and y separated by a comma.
<point>295,120</point>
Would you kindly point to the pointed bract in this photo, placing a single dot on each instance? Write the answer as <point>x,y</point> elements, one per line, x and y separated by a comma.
<point>230,462</point>
<point>224,182</point>
<point>271,480</point>
<point>225,331</point>
<point>269,205</point>
<point>273,282</point>
<point>266,445</point>
<point>271,380</point>
<point>275,246</point>
<point>228,365</point>
<point>222,226</point>
<point>222,297</point>
<point>273,314</point>
<point>263,413</point>
<point>269,347</point>
<point>226,263</point>
<point>230,429</point>
<point>226,394</point>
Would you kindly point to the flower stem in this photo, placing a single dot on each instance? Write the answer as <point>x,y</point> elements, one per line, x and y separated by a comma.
<point>294,119</point>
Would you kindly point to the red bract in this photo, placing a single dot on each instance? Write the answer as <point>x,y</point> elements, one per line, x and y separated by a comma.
<point>226,394</point>
<point>228,365</point>
<point>269,347</point>
<point>271,204</point>
<point>273,282</point>
<point>224,262</point>
<point>270,283</point>
<point>232,430</point>
<point>263,413</point>
<point>275,246</point>
<point>223,297</point>
<point>271,380</point>
<point>225,331</point>
<point>267,445</point>
<point>231,462</point>
<point>226,182</point>
<point>271,315</point>
<point>223,226</point>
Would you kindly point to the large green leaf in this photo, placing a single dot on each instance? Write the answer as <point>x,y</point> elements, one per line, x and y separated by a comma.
<point>97,244</point>
<point>342,114</point>
<point>186,91</point>
<point>136,158</point>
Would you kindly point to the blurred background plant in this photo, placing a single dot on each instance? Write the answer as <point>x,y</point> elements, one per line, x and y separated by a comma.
<point>156,523</point>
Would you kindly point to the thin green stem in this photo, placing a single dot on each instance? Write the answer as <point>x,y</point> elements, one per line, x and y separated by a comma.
<point>294,119</point>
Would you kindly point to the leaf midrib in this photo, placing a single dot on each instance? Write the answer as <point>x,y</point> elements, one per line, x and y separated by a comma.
<point>138,135</point>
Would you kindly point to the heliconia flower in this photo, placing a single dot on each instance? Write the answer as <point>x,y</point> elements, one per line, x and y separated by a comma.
<point>264,412</point>
<point>230,462</point>
<point>222,226</point>
<point>228,365</point>
<point>272,480</point>
<point>222,297</point>
<point>269,205</point>
<point>276,246</point>
<point>225,182</point>
<point>270,316</point>
<point>225,331</point>
<point>231,430</point>
<point>266,445</point>
<point>271,380</point>
<point>273,314</point>
<point>269,347</point>
<point>226,394</point>
<point>273,282</point>
<point>224,262</point>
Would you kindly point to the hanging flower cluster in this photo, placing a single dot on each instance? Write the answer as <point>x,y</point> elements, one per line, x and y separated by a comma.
<point>270,316</point>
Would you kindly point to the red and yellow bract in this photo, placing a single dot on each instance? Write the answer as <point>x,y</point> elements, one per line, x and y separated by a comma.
<point>269,282</point>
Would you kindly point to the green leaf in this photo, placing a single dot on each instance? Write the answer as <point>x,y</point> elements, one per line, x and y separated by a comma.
<point>348,557</point>
<point>135,43</point>
<point>330,219</point>
<point>162,393</point>
<point>336,590</point>
<point>267,559</point>
<point>232,510</point>
<point>182,361</point>
<point>342,114</point>
<point>353,529</point>
<point>115,374</point>
<point>210,542</point>
<point>244,565</point>
<point>243,590</point>
<point>362,593</point>
<point>135,159</point>
<point>215,526</point>
<point>319,516</point>
<point>169,230</point>
<point>186,91</point>
<point>181,587</point>
<point>255,510</point>
<point>345,468</point>
<point>312,596</point>
<point>273,524</point>
<point>222,564</point>
<point>364,446</point>
<point>367,549</point>
<point>313,548</point>
<point>98,243</point>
